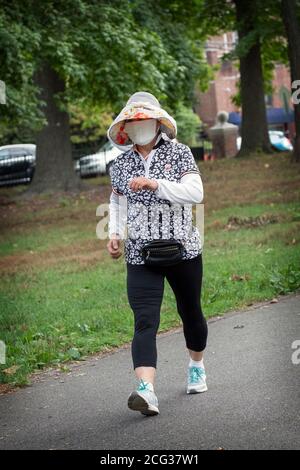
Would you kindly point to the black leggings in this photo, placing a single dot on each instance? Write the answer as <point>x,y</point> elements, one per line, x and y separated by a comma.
<point>145,287</point>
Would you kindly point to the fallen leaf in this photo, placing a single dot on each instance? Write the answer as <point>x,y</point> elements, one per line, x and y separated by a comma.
<point>237,277</point>
<point>11,370</point>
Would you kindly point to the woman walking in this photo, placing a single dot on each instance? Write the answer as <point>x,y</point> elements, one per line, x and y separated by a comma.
<point>156,174</point>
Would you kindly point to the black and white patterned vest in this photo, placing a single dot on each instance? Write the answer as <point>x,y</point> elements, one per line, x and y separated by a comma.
<point>149,216</point>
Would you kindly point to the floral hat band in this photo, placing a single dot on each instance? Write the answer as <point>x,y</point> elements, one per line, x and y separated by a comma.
<point>146,108</point>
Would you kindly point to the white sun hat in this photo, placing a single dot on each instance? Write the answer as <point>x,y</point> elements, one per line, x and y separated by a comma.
<point>141,105</point>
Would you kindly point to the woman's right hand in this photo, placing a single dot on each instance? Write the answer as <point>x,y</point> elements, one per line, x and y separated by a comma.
<point>114,246</point>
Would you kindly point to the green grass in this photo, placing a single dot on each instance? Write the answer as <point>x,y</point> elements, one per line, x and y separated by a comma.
<point>45,238</point>
<point>50,315</point>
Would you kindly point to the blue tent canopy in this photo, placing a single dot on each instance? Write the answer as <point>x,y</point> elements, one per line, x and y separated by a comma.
<point>274,116</point>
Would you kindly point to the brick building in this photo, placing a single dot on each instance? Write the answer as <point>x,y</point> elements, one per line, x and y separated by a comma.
<point>224,86</point>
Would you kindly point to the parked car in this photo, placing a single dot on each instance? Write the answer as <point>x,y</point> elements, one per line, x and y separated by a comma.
<point>98,163</point>
<point>278,141</point>
<point>17,163</point>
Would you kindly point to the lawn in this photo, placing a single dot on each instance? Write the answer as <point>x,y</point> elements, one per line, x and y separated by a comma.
<point>62,297</point>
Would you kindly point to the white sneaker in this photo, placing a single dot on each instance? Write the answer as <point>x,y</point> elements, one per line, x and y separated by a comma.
<point>143,400</point>
<point>196,380</point>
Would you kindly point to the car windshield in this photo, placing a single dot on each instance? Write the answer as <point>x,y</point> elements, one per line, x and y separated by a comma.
<point>4,154</point>
<point>277,133</point>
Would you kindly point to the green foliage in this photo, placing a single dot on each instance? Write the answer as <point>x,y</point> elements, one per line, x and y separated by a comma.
<point>188,124</point>
<point>89,122</point>
<point>176,23</point>
<point>104,51</point>
<point>216,17</point>
<point>285,279</point>
<point>17,45</point>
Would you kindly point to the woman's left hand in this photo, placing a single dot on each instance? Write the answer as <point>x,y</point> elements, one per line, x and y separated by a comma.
<point>140,182</point>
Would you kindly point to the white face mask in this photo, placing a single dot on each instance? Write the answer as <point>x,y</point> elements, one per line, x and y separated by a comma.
<point>141,132</point>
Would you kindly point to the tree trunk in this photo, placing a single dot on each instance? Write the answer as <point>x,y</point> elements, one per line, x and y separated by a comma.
<point>254,129</point>
<point>54,166</point>
<point>291,23</point>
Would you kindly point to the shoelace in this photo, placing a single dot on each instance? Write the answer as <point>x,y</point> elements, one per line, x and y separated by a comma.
<point>143,385</point>
<point>195,373</point>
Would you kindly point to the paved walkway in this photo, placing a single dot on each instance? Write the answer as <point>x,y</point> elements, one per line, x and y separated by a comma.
<point>253,399</point>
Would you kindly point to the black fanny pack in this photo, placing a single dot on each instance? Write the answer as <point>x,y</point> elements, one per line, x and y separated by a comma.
<point>162,252</point>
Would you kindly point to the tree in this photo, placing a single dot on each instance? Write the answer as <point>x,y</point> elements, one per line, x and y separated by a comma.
<point>177,24</point>
<point>54,156</point>
<point>291,17</point>
<point>254,130</point>
<point>249,20</point>
<point>82,53</point>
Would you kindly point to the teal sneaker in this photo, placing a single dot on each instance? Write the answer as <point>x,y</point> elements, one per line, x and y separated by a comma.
<point>196,380</point>
<point>143,400</point>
